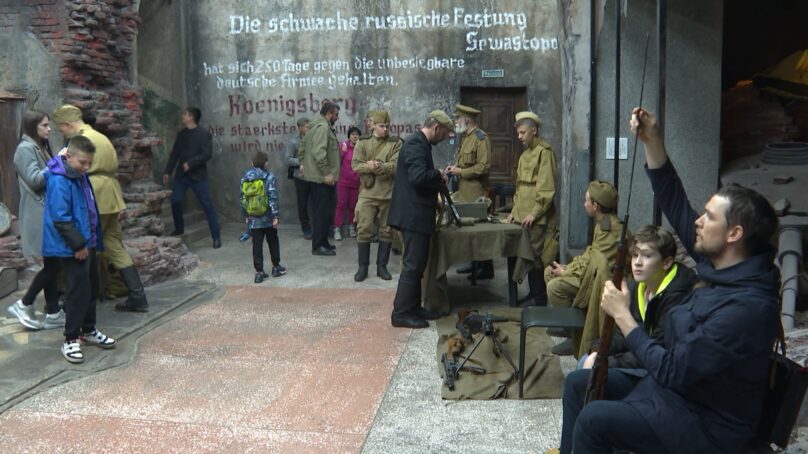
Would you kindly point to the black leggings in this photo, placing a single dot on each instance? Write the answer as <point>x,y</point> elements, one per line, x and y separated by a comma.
<point>46,279</point>
<point>271,235</point>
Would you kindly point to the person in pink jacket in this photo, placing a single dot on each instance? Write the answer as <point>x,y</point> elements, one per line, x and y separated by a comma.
<point>347,186</point>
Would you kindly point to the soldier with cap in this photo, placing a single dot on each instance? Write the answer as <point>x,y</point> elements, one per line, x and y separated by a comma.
<point>109,197</point>
<point>412,211</point>
<point>472,164</point>
<point>533,205</point>
<point>374,160</point>
<point>564,281</point>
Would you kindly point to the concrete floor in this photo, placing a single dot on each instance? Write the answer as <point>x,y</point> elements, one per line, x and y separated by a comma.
<point>307,362</point>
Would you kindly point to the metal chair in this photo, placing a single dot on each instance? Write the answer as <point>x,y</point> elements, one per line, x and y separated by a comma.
<point>545,317</point>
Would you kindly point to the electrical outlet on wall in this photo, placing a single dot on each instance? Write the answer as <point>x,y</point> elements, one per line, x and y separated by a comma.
<point>623,148</point>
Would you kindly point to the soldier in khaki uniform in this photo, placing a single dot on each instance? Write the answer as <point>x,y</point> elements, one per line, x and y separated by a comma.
<point>109,197</point>
<point>533,205</point>
<point>564,281</point>
<point>472,163</point>
<point>374,160</point>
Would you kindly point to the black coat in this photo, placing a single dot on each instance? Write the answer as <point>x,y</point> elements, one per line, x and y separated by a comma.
<point>194,147</point>
<point>415,194</point>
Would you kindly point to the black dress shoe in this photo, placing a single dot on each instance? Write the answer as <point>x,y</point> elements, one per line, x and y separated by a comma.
<point>322,251</point>
<point>427,315</point>
<point>408,321</point>
<point>331,246</point>
<point>217,243</point>
<point>177,232</point>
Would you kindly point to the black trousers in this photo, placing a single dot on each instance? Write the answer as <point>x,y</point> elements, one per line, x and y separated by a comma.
<point>81,296</point>
<point>46,279</point>
<point>416,253</point>
<point>258,235</point>
<point>323,202</point>
<point>303,190</point>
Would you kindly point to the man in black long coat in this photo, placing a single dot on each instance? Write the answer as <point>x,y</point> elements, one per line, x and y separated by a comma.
<point>412,211</point>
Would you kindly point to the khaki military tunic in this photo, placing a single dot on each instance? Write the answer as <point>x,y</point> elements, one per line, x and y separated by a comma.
<point>536,176</point>
<point>109,196</point>
<point>561,291</point>
<point>375,190</point>
<point>474,160</point>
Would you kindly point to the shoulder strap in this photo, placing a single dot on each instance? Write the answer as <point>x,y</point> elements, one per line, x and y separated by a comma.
<point>33,193</point>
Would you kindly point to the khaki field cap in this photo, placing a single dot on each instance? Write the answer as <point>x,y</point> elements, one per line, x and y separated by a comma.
<point>370,114</point>
<point>443,119</point>
<point>66,113</point>
<point>380,117</point>
<point>529,115</point>
<point>466,110</point>
<point>603,193</point>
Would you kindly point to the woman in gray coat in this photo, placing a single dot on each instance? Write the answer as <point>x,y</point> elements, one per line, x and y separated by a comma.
<point>30,160</point>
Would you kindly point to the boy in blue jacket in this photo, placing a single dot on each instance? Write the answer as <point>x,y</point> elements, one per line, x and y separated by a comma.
<point>72,233</point>
<point>259,204</point>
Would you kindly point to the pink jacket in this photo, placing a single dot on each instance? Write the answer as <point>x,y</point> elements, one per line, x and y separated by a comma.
<point>347,177</point>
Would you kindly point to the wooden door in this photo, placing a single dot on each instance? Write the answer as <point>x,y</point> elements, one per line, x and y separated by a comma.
<point>11,110</point>
<point>498,107</point>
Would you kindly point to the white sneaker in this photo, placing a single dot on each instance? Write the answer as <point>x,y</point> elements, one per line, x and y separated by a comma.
<point>352,230</point>
<point>98,339</point>
<point>337,233</point>
<point>25,314</point>
<point>56,320</point>
<point>72,352</point>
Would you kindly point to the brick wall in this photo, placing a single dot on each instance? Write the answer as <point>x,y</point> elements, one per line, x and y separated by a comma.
<point>95,40</point>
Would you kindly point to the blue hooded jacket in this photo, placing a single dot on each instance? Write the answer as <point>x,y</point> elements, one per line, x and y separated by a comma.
<point>706,383</point>
<point>71,214</point>
<point>271,188</point>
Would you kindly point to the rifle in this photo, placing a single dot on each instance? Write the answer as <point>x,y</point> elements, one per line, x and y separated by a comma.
<point>596,384</point>
<point>448,202</point>
<point>451,370</point>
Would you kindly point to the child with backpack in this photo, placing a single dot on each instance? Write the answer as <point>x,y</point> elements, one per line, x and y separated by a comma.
<point>259,204</point>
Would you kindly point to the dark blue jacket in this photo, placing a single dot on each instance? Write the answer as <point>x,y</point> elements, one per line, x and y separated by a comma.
<point>706,382</point>
<point>71,220</point>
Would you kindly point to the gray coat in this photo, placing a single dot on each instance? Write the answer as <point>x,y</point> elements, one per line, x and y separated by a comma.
<point>291,155</point>
<point>29,161</point>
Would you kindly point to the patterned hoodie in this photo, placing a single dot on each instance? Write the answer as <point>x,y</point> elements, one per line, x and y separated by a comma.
<point>271,188</point>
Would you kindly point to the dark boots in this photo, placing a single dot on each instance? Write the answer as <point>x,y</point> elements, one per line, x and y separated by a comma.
<point>136,301</point>
<point>485,270</point>
<point>364,261</point>
<point>382,258</point>
<point>538,288</point>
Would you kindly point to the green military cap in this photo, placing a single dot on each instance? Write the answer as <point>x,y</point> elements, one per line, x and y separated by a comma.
<point>66,113</point>
<point>529,115</point>
<point>603,193</point>
<point>466,110</point>
<point>443,119</point>
<point>380,116</point>
<point>369,114</point>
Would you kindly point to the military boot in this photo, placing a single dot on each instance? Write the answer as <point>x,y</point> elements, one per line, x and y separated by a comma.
<point>364,261</point>
<point>136,300</point>
<point>538,288</point>
<point>382,258</point>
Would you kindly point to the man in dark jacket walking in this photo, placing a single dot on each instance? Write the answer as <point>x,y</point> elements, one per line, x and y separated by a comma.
<point>191,151</point>
<point>412,211</point>
<point>706,383</point>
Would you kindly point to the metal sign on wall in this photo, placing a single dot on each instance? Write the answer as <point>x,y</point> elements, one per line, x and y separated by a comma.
<point>493,73</point>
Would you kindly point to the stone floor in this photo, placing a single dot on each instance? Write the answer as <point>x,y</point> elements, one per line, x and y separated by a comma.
<point>303,363</point>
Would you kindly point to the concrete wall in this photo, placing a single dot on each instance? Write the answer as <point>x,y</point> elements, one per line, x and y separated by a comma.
<point>161,71</point>
<point>28,69</point>
<point>223,41</point>
<point>693,97</point>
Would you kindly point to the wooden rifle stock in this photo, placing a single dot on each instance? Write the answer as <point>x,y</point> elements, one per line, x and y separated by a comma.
<point>596,385</point>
